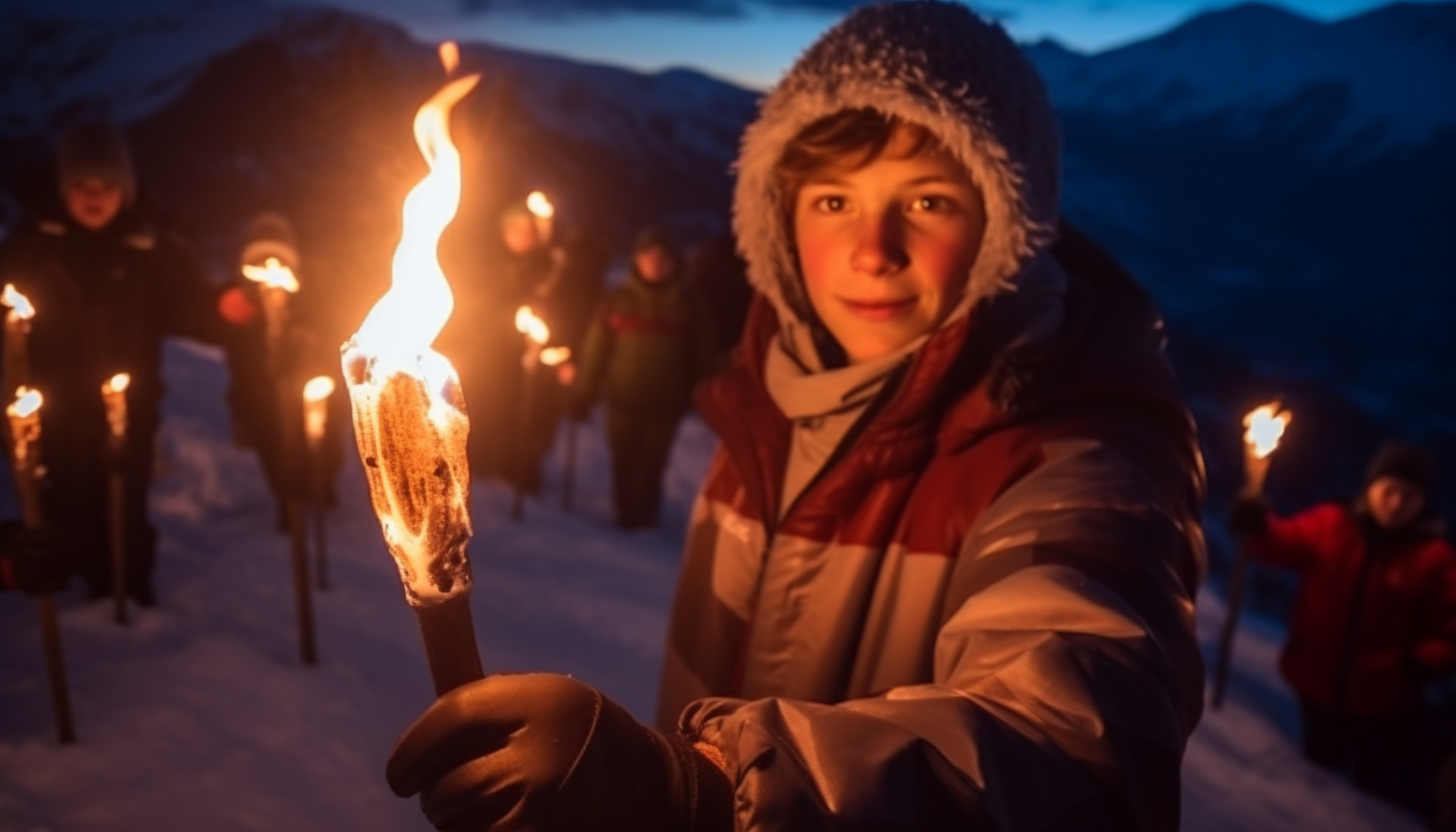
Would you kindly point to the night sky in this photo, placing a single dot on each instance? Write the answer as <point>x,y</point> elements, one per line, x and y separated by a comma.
<point>752,43</point>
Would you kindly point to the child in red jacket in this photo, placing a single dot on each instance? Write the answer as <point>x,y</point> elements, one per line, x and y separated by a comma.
<point>1374,621</point>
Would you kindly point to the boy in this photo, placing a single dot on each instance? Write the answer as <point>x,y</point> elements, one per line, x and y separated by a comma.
<point>107,288</point>
<point>941,573</point>
<point>645,350</point>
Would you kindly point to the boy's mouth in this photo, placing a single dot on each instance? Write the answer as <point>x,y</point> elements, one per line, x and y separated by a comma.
<point>879,310</point>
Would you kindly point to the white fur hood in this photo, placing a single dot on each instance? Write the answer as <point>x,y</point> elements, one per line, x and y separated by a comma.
<point>970,85</point>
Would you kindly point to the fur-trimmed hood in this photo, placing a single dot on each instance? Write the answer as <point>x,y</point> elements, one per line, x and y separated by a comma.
<point>940,66</point>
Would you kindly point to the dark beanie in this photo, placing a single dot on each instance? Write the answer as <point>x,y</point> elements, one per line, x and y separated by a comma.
<point>96,149</point>
<point>1404,460</point>
<point>270,235</point>
<point>656,236</point>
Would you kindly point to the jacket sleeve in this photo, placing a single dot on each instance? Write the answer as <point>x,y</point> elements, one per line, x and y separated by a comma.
<point>1435,651</point>
<point>1066,679</point>
<point>1294,542</point>
<point>596,351</point>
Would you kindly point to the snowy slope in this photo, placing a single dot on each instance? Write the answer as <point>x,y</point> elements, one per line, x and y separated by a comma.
<point>198,716</point>
<point>1257,65</point>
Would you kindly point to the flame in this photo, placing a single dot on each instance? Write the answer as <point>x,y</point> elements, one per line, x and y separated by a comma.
<point>27,401</point>
<point>19,304</point>
<point>450,56</point>
<point>540,206</point>
<point>553,356</point>
<point>1264,428</point>
<point>272,274</point>
<point>531,326</point>
<point>404,322</point>
<point>117,383</point>
<point>318,388</point>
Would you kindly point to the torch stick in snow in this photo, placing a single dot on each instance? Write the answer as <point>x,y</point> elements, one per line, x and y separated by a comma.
<point>316,395</point>
<point>277,287</point>
<point>409,413</point>
<point>1264,426</point>
<point>568,468</point>
<point>113,394</point>
<point>24,418</point>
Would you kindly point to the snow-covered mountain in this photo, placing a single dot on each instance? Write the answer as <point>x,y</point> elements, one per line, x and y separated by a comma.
<point>1283,186</point>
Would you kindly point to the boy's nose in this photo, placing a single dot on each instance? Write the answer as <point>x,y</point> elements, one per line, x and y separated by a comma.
<point>880,247</point>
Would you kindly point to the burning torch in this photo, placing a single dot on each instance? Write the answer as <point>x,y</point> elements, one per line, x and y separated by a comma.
<point>409,413</point>
<point>113,395</point>
<point>1263,428</point>
<point>537,353</point>
<point>316,395</point>
<point>17,337</point>
<point>277,286</point>
<point>24,418</point>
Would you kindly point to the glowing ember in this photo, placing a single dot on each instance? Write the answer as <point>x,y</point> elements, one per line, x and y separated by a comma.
<point>272,274</point>
<point>316,394</point>
<point>555,356</point>
<point>409,413</point>
<point>27,401</point>
<point>539,205</point>
<point>117,383</point>
<point>531,326</point>
<point>19,304</point>
<point>1264,428</point>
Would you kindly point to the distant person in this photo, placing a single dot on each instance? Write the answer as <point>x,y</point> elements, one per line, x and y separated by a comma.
<point>257,376</point>
<point>647,348</point>
<point>108,286</point>
<point>1373,623</point>
<point>940,575</point>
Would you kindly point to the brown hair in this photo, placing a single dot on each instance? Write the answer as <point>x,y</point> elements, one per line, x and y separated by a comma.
<point>846,140</point>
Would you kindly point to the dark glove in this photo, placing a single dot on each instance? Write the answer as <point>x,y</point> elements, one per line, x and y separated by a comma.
<point>1248,516</point>
<point>37,561</point>
<point>545,752</point>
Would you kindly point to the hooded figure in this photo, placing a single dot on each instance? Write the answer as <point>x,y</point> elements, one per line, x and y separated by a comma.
<point>107,287</point>
<point>1373,622</point>
<point>941,573</point>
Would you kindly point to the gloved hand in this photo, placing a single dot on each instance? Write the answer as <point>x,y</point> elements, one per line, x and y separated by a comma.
<point>1248,515</point>
<point>37,562</point>
<point>544,752</point>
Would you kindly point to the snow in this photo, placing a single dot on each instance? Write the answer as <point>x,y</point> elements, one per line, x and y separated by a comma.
<point>199,716</point>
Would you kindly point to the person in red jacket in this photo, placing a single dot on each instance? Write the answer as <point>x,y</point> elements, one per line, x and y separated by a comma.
<point>1373,622</point>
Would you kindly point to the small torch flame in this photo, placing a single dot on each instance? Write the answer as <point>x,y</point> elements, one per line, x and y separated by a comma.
<point>540,206</point>
<point>555,356</point>
<point>117,383</point>
<point>27,401</point>
<point>272,274</point>
<point>318,388</point>
<point>450,56</point>
<point>531,326</point>
<point>20,307</point>
<point>1264,428</point>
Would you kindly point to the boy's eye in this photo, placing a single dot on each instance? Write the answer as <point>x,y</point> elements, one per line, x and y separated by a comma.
<point>832,204</point>
<point>932,202</point>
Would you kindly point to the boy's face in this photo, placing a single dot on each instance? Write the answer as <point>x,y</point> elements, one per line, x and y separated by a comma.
<point>885,250</point>
<point>1394,501</point>
<point>93,202</point>
<point>655,263</point>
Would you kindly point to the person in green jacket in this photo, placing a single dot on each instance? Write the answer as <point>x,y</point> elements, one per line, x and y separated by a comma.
<point>648,346</point>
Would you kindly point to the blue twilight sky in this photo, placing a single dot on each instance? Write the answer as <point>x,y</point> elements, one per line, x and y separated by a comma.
<point>753,41</point>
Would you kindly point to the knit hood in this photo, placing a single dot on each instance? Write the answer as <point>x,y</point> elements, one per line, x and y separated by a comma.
<point>935,64</point>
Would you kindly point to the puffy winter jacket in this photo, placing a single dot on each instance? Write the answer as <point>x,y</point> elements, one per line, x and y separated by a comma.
<point>978,613</point>
<point>1375,613</point>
